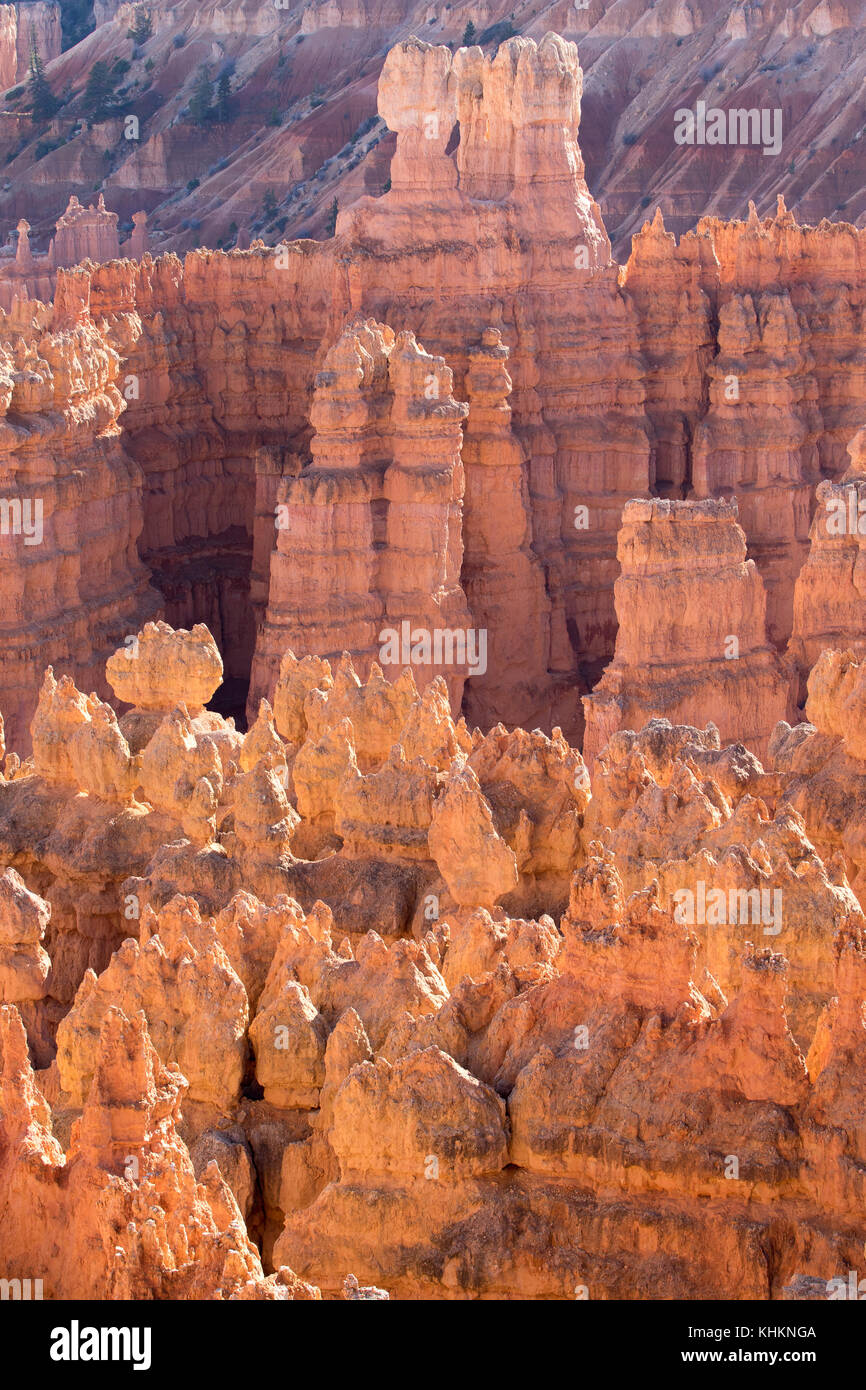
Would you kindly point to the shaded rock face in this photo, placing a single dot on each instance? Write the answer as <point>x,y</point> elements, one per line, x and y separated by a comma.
<point>363,958</point>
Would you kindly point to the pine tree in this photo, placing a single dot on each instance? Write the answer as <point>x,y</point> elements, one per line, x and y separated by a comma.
<point>201,101</point>
<point>99,92</point>
<point>142,26</point>
<point>76,20</point>
<point>43,102</point>
<point>224,98</point>
<point>469,34</point>
<point>331,223</point>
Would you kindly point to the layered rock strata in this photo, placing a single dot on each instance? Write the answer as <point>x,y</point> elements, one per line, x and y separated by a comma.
<point>692,643</point>
<point>70,498</point>
<point>730,362</point>
<point>369,537</point>
<point>829,594</point>
<point>822,762</point>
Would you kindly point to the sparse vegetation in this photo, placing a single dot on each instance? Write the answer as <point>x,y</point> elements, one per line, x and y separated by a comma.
<point>43,102</point>
<point>331,219</point>
<point>498,33</point>
<point>201,102</point>
<point>99,92</point>
<point>225,102</point>
<point>76,21</point>
<point>469,35</point>
<point>45,147</point>
<point>364,128</point>
<point>142,26</point>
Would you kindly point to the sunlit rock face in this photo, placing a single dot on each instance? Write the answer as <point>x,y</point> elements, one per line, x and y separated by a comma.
<point>363,956</point>
<point>692,643</point>
<point>829,592</point>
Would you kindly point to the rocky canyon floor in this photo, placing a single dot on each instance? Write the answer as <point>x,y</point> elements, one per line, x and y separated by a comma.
<point>433,657</point>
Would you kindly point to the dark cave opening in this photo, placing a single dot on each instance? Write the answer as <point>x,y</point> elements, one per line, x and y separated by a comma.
<point>206,579</point>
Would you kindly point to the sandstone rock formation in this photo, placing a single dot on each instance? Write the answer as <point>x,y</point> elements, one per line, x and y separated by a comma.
<point>828,603</point>
<point>658,376</point>
<point>22,26</point>
<point>316,64</point>
<point>369,538</point>
<point>359,997</point>
<point>729,853</point>
<point>81,234</point>
<point>502,983</point>
<point>501,573</point>
<point>821,763</point>
<point>74,583</point>
<point>159,669</point>
<point>692,641</point>
<point>125,1184</point>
